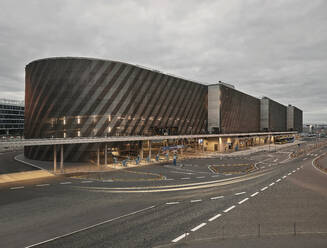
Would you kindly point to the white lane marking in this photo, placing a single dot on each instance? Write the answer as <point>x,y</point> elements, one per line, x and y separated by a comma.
<point>18,187</point>
<point>229,209</point>
<point>65,182</point>
<point>185,178</point>
<point>275,160</point>
<point>42,185</point>
<point>269,165</point>
<point>240,193</point>
<point>215,176</point>
<point>289,174</point>
<point>217,197</point>
<point>298,168</point>
<point>278,180</point>
<point>214,217</point>
<point>89,227</point>
<point>87,182</point>
<point>305,159</point>
<point>200,177</point>
<point>294,171</point>
<point>198,200</point>
<point>172,203</point>
<point>254,194</point>
<point>264,188</point>
<point>244,200</point>
<point>179,237</point>
<point>271,184</point>
<point>198,227</point>
<point>284,177</point>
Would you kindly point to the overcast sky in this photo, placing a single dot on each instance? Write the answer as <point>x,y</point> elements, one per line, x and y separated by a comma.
<point>273,48</point>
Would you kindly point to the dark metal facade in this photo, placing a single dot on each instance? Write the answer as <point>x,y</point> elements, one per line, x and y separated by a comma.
<point>239,112</point>
<point>81,97</point>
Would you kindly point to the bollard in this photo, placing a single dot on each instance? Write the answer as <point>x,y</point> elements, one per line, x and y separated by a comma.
<point>294,228</point>
<point>259,231</point>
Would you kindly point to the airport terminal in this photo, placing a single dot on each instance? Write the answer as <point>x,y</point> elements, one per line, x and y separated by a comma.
<point>70,97</point>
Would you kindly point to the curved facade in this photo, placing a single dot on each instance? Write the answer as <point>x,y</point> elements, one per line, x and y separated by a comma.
<point>82,97</point>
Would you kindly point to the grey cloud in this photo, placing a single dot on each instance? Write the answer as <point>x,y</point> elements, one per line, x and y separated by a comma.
<point>265,48</point>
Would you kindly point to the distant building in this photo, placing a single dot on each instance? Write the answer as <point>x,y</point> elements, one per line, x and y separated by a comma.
<point>11,117</point>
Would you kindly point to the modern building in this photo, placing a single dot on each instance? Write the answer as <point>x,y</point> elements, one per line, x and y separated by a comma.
<point>273,116</point>
<point>11,117</point>
<point>69,97</point>
<point>294,119</point>
<point>232,111</point>
<point>82,97</point>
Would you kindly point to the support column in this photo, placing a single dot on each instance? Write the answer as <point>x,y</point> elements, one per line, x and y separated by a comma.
<point>98,155</point>
<point>62,158</point>
<point>55,159</point>
<point>149,145</point>
<point>141,149</point>
<point>106,154</point>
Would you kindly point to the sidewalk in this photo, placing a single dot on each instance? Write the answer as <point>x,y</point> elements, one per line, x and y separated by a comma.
<point>27,175</point>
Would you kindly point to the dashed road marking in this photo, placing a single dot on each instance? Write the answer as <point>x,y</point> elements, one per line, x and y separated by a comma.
<point>278,180</point>
<point>284,177</point>
<point>180,237</point>
<point>294,171</point>
<point>244,200</point>
<point>185,178</point>
<point>18,187</point>
<point>200,177</point>
<point>240,193</point>
<point>172,203</point>
<point>264,188</point>
<point>229,209</point>
<point>42,185</point>
<point>305,159</point>
<point>214,217</point>
<point>198,227</point>
<point>65,183</point>
<point>254,194</point>
<point>217,197</point>
<point>289,174</point>
<point>271,184</point>
<point>87,182</point>
<point>198,200</point>
<point>215,176</point>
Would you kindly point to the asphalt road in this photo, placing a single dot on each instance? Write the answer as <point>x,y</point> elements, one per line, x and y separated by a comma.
<point>9,165</point>
<point>193,212</point>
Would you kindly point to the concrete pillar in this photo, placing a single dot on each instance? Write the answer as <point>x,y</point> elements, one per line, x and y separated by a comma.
<point>106,154</point>
<point>141,149</point>
<point>98,155</point>
<point>62,158</point>
<point>149,145</point>
<point>54,158</point>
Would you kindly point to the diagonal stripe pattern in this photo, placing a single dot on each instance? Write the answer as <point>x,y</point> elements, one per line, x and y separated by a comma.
<point>72,97</point>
